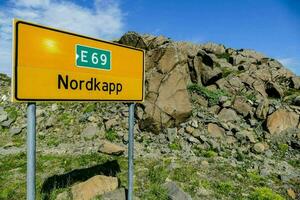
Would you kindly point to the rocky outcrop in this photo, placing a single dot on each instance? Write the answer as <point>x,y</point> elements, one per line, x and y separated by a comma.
<point>171,67</point>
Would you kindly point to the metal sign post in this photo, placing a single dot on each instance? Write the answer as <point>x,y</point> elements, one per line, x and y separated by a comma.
<point>31,149</point>
<point>130,151</point>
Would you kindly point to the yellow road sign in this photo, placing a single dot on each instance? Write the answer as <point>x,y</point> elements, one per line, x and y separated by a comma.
<point>55,65</point>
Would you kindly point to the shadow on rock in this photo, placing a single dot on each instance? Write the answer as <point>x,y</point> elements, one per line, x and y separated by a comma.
<point>110,168</point>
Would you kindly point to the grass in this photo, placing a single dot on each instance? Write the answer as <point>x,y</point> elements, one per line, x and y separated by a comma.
<point>264,193</point>
<point>12,112</point>
<point>175,145</point>
<point>283,149</point>
<point>219,179</point>
<point>224,187</point>
<point>13,171</point>
<point>65,118</point>
<point>155,192</point>
<point>226,71</point>
<point>224,55</point>
<point>204,153</point>
<point>89,108</point>
<point>211,96</point>
<point>111,135</point>
<point>155,178</point>
<point>157,174</point>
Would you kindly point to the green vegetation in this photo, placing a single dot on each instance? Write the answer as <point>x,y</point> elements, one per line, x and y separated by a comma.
<point>255,177</point>
<point>283,148</point>
<point>219,179</point>
<point>226,71</point>
<point>111,135</point>
<point>89,108</point>
<point>155,192</point>
<point>265,193</point>
<point>209,154</point>
<point>175,145</point>
<point>290,94</point>
<point>204,153</point>
<point>224,187</point>
<point>156,176</point>
<point>224,55</point>
<point>211,96</point>
<point>12,112</point>
<point>65,118</point>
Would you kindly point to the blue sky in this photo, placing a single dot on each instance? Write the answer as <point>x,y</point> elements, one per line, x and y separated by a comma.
<point>268,26</point>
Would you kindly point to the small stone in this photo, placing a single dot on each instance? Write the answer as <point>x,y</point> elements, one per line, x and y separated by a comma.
<point>50,122</point>
<point>214,109</point>
<point>191,139</point>
<point>110,148</point>
<point>259,147</point>
<point>171,134</point>
<point>54,107</point>
<point>125,138</point>
<point>215,131</point>
<point>14,131</point>
<point>90,131</point>
<point>42,133</point>
<point>291,193</point>
<point>223,99</point>
<point>8,145</point>
<point>39,112</point>
<point>204,163</point>
<point>239,176</point>
<point>92,119</point>
<point>118,194</point>
<point>140,112</point>
<point>4,98</point>
<point>189,129</point>
<point>7,123</point>
<point>3,116</point>
<point>227,115</point>
<point>194,123</point>
<point>110,124</point>
<point>226,104</point>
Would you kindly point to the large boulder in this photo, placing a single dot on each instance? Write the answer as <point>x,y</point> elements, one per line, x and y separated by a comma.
<point>274,90</point>
<point>213,48</point>
<point>281,120</point>
<point>167,101</point>
<point>170,58</point>
<point>154,42</point>
<point>94,186</point>
<point>295,82</point>
<point>133,39</point>
<point>204,67</point>
<point>251,54</point>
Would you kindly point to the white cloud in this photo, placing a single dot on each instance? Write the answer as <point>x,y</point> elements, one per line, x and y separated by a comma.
<point>291,63</point>
<point>105,20</point>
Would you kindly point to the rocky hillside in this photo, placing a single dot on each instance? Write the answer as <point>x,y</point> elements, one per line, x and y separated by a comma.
<point>217,123</point>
